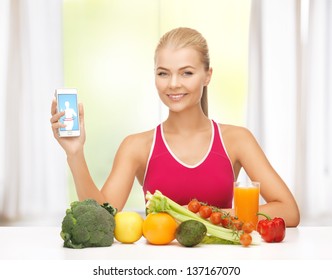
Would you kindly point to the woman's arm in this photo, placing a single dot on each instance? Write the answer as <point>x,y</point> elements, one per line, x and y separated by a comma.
<point>131,157</point>
<point>129,162</point>
<point>74,149</point>
<point>245,152</point>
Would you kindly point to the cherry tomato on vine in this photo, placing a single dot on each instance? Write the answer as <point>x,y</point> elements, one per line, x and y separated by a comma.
<point>194,205</point>
<point>245,239</point>
<point>205,211</point>
<point>248,227</point>
<point>226,221</point>
<point>237,224</point>
<point>215,218</point>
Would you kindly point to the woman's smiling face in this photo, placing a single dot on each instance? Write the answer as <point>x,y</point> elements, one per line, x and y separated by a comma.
<point>180,77</point>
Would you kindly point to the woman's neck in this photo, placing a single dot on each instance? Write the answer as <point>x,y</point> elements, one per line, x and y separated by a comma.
<point>186,122</point>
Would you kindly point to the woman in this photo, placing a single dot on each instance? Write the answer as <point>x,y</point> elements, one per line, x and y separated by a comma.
<point>188,155</point>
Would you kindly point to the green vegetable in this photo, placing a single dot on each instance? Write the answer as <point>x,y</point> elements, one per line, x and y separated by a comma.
<point>190,233</point>
<point>209,239</point>
<point>88,224</point>
<point>110,208</point>
<point>161,203</point>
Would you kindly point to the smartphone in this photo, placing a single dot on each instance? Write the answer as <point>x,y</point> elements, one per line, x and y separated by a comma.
<point>68,102</point>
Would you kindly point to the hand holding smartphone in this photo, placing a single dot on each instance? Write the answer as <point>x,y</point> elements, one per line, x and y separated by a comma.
<point>67,102</point>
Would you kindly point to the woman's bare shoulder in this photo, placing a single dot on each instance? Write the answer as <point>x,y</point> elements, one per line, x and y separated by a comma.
<point>144,136</point>
<point>237,138</point>
<point>235,132</point>
<point>138,142</point>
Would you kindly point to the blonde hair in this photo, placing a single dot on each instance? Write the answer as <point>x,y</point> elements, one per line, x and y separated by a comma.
<point>184,37</point>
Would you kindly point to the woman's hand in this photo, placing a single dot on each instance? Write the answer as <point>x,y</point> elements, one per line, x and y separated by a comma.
<point>71,145</point>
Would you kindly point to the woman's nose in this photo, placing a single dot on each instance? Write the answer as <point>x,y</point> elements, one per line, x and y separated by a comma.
<point>174,82</point>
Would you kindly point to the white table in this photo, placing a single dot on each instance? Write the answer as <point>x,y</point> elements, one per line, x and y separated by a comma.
<point>45,243</point>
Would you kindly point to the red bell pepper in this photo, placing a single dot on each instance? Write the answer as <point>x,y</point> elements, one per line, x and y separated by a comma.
<point>271,230</point>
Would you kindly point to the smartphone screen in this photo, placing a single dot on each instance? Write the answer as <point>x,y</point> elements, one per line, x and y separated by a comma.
<point>68,103</point>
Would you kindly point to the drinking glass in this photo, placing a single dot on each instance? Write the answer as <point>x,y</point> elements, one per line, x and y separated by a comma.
<point>246,201</point>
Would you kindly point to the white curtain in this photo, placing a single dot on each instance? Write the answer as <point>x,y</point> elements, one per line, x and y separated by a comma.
<point>32,168</point>
<point>289,100</point>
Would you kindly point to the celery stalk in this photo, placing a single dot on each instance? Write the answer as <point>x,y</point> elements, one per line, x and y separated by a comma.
<point>160,203</point>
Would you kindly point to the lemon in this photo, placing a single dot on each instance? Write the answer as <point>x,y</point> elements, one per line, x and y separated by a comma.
<point>128,227</point>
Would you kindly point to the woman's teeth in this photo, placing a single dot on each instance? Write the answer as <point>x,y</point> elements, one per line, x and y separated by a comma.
<point>176,97</point>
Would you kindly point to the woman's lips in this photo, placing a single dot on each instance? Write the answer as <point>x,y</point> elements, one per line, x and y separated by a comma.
<point>176,97</point>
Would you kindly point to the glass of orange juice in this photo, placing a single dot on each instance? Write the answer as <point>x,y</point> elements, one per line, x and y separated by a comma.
<point>246,201</point>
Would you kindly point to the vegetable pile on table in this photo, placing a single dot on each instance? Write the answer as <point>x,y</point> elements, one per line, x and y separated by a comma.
<point>233,233</point>
<point>88,224</point>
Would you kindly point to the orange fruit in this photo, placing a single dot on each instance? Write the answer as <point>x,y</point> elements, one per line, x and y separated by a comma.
<point>159,228</point>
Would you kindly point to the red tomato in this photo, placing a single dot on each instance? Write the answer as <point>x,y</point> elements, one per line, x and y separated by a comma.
<point>248,227</point>
<point>215,218</point>
<point>245,239</point>
<point>237,224</point>
<point>226,221</point>
<point>194,205</point>
<point>205,211</point>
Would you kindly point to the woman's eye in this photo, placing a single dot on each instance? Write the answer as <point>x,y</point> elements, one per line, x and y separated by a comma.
<point>187,73</point>
<point>162,74</point>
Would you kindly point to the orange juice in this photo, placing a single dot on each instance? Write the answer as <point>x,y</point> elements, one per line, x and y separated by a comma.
<point>246,202</point>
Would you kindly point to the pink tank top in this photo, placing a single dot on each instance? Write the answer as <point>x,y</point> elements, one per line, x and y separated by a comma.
<point>210,180</point>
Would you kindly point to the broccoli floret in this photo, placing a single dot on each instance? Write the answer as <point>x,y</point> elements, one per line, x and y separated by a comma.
<point>110,208</point>
<point>88,224</point>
